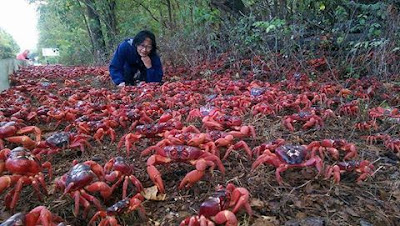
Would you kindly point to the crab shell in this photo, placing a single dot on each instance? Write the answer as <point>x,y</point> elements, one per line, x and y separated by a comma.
<point>58,140</point>
<point>121,165</point>
<point>81,175</point>
<point>21,161</point>
<point>216,203</point>
<point>292,154</point>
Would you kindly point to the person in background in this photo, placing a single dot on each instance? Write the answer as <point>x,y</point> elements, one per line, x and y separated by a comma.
<point>136,59</point>
<point>23,55</point>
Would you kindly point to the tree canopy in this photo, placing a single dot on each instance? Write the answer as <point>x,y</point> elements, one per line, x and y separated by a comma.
<point>8,47</point>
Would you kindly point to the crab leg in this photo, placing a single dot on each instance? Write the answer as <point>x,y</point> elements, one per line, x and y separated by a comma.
<point>85,204</point>
<point>77,197</point>
<point>91,198</point>
<point>7,181</point>
<point>136,182</point>
<point>21,182</point>
<point>125,187</point>
<point>35,184</point>
<point>154,174</point>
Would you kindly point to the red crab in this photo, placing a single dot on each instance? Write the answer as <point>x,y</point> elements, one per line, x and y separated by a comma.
<point>8,130</point>
<point>82,177</point>
<point>61,140</point>
<point>37,216</point>
<point>333,147</point>
<point>125,115</point>
<point>380,112</point>
<point>153,130</point>
<point>227,140</point>
<point>215,207</point>
<point>200,112</point>
<point>389,142</point>
<point>118,170</point>
<point>129,140</point>
<point>364,168</point>
<point>189,136</point>
<point>11,128</point>
<point>350,108</point>
<point>181,153</point>
<point>219,121</point>
<point>309,117</point>
<point>286,157</point>
<point>393,144</point>
<point>367,125</point>
<point>271,146</point>
<point>126,205</point>
<point>263,109</point>
<point>25,169</point>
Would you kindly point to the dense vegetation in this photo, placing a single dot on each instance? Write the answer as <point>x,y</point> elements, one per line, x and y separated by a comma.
<point>360,37</point>
<point>8,46</point>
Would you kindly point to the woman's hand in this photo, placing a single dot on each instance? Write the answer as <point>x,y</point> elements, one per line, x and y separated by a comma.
<point>146,61</point>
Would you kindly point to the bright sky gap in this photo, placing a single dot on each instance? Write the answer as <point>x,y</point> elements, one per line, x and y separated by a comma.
<point>19,19</point>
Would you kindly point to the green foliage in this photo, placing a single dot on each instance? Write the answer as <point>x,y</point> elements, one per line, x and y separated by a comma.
<point>189,31</point>
<point>258,36</point>
<point>270,26</point>
<point>61,26</point>
<point>8,47</point>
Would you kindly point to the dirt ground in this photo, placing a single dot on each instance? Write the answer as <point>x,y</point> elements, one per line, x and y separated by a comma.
<point>305,198</point>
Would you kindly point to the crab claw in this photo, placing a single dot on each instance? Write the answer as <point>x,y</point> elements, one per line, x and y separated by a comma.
<point>98,214</point>
<point>155,176</point>
<point>31,129</point>
<point>287,122</point>
<point>240,198</point>
<point>40,214</point>
<point>226,217</point>
<point>209,123</point>
<point>240,144</point>
<point>195,175</point>
<point>26,141</point>
<point>102,187</point>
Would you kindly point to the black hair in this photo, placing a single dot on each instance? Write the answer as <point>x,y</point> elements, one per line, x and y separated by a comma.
<point>141,36</point>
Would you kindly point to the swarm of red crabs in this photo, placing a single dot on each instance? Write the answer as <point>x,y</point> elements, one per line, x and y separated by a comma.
<point>203,127</point>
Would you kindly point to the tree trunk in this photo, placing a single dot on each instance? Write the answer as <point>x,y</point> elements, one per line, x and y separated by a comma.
<point>233,7</point>
<point>283,9</point>
<point>89,32</point>
<point>96,32</point>
<point>170,14</point>
<point>162,22</point>
<point>112,32</point>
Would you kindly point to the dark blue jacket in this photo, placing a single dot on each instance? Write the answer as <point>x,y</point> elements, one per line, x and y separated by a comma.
<point>127,62</point>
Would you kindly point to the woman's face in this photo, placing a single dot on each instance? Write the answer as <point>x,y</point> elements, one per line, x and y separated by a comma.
<point>145,47</point>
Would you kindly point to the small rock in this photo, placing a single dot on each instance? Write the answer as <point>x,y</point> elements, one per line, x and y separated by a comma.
<point>363,222</point>
<point>257,203</point>
<point>309,221</point>
<point>97,158</point>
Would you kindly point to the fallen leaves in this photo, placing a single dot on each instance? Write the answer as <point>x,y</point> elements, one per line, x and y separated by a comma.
<point>266,221</point>
<point>151,193</point>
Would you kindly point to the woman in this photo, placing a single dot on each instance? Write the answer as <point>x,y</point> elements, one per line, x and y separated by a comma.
<point>136,60</point>
<point>23,55</point>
